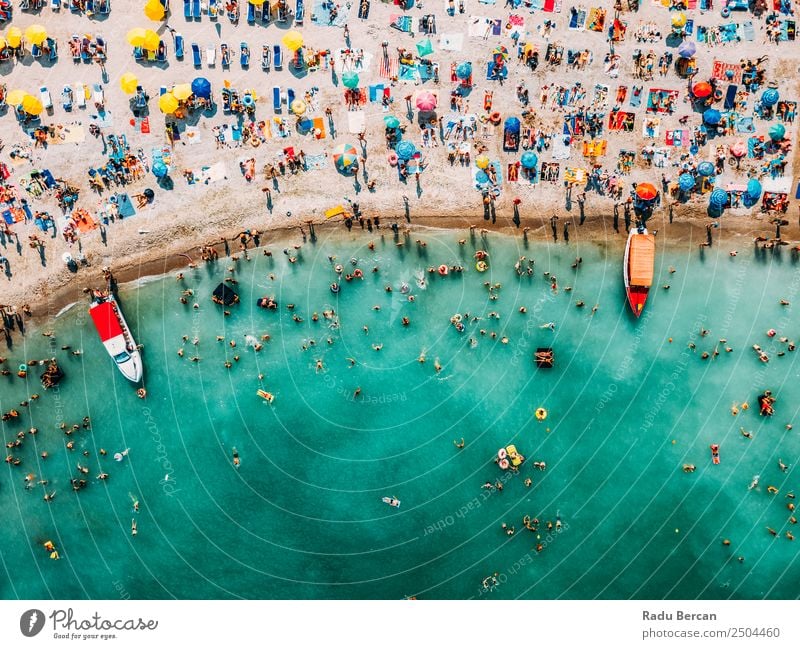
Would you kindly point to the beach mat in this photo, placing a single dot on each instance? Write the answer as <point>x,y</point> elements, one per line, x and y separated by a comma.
<point>124,205</point>
<point>316,161</point>
<point>451,42</point>
<point>214,173</point>
<point>356,121</point>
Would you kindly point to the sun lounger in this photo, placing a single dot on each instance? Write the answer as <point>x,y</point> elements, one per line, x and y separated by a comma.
<point>98,96</point>
<point>51,43</point>
<point>266,14</point>
<point>80,95</point>
<point>211,56</point>
<point>66,98</point>
<point>276,99</point>
<point>187,8</point>
<point>277,57</point>
<point>213,9</point>
<point>244,54</point>
<point>290,96</point>
<point>196,9</point>
<point>105,7</point>
<point>265,57</point>
<point>44,97</point>
<point>55,5</point>
<point>36,51</point>
<point>178,45</point>
<point>161,53</point>
<point>138,53</point>
<point>225,53</point>
<point>251,14</point>
<point>299,11</point>
<point>233,15</point>
<point>196,59</point>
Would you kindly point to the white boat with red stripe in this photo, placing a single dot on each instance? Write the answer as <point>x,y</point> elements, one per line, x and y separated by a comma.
<point>116,335</point>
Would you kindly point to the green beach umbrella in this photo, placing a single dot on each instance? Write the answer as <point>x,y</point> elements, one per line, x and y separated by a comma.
<point>425,47</point>
<point>391,121</point>
<point>350,80</point>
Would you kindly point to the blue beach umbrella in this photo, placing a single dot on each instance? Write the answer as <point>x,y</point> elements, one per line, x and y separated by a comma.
<point>718,198</point>
<point>712,116</point>
<point>481,177</point>
<point>706,169</point>
<point>777,131</point>
<point>687,49</point>
<point>405,150</point>
<point>529,160</point>
<point>464,70</point>
<point>770,97</point>
<point>202,87</point>
<point>159,169</point>
<point>754,189</point>
<point>391,121</point>
<point>686,182</point>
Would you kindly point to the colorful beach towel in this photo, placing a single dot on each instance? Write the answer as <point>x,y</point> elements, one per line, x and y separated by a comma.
<point>316,161</point>
<point>723,71</point>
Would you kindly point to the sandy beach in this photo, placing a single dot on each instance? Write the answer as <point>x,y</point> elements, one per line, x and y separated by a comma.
<point>181,219</point>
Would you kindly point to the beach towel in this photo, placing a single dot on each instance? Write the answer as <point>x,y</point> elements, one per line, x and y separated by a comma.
<point>596,20</point>
<point>83,221</point>
<point>214,173</point>
<point>481,181</point>
<point>752,142</point>
<point>356,121</point>
<point>729,32</point>
<point>390,67</point>
<point>488,2</point>
<point>651,127</point>
<point>400,22</point>
<point>103,119</point>
<point>575,175</point>
<point>721,69</point>
<point>316,161</point>
<point>577,18</point>
<point>730,96</point>
<point>788,30</point>
<point>749,30</point>
<point>192,136</point>
<point>745,125</point>
<point>514,25</point>
<point>321,13</point>
<point>452,42</point>
<point>408,73</point>
<point>689,28</point>
<point>636,97</point>
<point>480,26</point>
<point>561,148</point>
<point>674,137</point>
<point>124,205</point>
<point>491,76</point>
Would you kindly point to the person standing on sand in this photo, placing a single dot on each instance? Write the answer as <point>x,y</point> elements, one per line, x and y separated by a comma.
<point>554,227</point>
<point>566,231</point>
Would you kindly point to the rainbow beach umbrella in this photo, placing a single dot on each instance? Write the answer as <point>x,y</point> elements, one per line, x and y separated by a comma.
<point>345,157</point>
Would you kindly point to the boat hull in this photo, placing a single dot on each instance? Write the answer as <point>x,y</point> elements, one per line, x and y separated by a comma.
<point>637,268</point>
<point>116,336</point>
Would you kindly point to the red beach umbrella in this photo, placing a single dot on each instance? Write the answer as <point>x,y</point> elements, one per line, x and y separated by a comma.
<point>702,90</point>
<point>646,191</point>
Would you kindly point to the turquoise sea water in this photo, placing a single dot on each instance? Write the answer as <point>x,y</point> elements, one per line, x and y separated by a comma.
<point>303,518</point>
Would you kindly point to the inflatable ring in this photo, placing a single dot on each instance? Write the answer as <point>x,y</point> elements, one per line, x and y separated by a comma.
<point>334,288</point>
<point>503,464</point>
<point>456,318</point>
<point>255,142</point>
<point>481,266</point>
<point>358,273</point>
<point>717,94</point>
<point>502,453</point>
<point>541,414</point>
<point>23,368</point>
<point>443,270</point>
<point>339,269</point>
<point>726,12</point>
<point>393,159</point>
<point>771,333</point>
<point>247,100</point>
<point>494,118</point>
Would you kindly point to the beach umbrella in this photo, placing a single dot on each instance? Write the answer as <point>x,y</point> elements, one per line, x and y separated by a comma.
<point>15,97</point>
<point>298,107</point>
<point>738,149</point>
<point>293,40</point>
<point>482,162</point>
<point>149,194</point>
<point>686,182</point>
<point>391,121</point>
<point>712,116</point>
<point>464,70</point>
<point>201,87</point>
<point>702,90</point>
<point>529,160</point>
<point>257,3</point>
<point>32,105</point>
<point>14,37</point>
<point>754,189</point>
<point>159,168</point>
<point>154,10</point>
<point>36,34</point>
<point>182,91</point>
<point>128,83</point>
<point>345,157</point>
<point>679,20</point>
<point>426,101</point>
<point>706,169</point>
<point>770,97</point>
<point>481,177</point>
<point>500,51</point>
<point>777,131</point>
<point>168,103</point>
<point>718,198</point>
<point>135,37</point>
<point>646,191</point>
<point>151,40</point>
<point>425,47</point>
<point>350,80</point>
<point>405,150</point>
<point>687,49</point>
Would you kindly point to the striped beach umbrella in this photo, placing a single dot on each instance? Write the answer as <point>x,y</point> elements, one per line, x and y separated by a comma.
<point>405,150</point>
<point>345,157</point>
<point>686,182</point>
<point>500,51</point>
<point>770,97</point>
<point>706,169</point>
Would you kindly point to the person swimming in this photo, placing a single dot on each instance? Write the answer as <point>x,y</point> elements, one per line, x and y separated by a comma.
<point>236,460</point>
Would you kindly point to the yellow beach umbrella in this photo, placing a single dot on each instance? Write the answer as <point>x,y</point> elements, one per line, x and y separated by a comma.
<point>14,36</point>
<point>154,10</point>
<point>168,103</point>
<point>151,40</point>
<point>15,97</point>
<point>36,34</point>
<point>298,107</point>
<point>31,105</point>
<point>182,91</point>
<point>135,36</point>
<point>293,40</point>
<point>128,83</point>
<point>257,3</point>
<point>482,162</point>
<point>679,19</point>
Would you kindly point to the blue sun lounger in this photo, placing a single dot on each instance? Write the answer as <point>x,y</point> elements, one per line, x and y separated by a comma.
<point>196,9</point>
<point>244,54</point>
<point>277,57</point>
<point>266,14</point>
<point>276,99</point>
<point>290,96</point>
<point>187,8</point>
<point>178,45</point>
<point>299,12</point>
<point>730,96</point>
<point>196,59</point>
<point>251,13</point>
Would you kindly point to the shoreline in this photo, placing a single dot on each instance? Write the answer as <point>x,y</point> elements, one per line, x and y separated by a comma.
<point>132,267</point>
